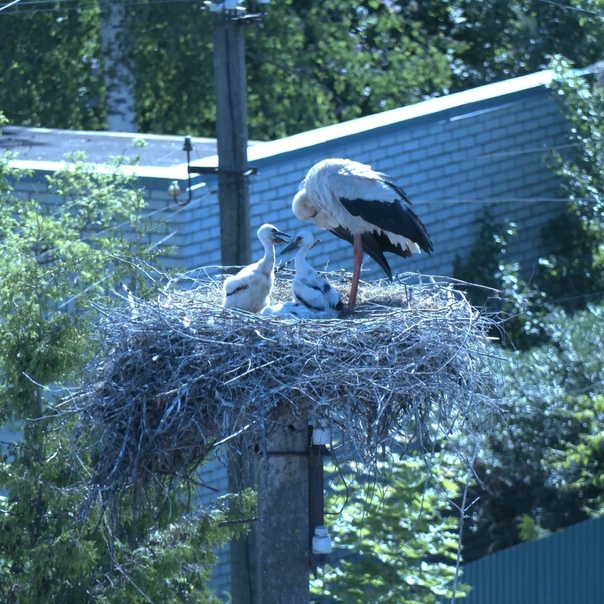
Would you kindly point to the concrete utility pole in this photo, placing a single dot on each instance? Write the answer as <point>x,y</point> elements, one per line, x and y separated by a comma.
<point>282,538</point>
<point>232,138</point>
<point>272,565</point>
<point>274,562</point>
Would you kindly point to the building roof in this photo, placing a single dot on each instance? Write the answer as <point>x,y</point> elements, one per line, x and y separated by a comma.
<point>163,156</point>
<point>39,147</point>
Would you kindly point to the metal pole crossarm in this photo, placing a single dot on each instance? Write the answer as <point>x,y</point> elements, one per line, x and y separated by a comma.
<point>216,170</point>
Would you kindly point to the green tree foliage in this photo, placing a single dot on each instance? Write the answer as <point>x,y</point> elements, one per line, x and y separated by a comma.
<point>309,64</point>
<point>173,70</point>
<point>61,252</point>
<point>574,272</point>
<point>328,62</point>
<point>541,468</point>
<point>534,464</point>
<point>51,65</point>
<point>392,527</point>
<point>494,284</point>
<point>502,39</point>
<point>578,465</point>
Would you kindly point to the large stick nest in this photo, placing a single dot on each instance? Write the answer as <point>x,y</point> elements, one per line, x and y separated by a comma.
<point>179,374</point>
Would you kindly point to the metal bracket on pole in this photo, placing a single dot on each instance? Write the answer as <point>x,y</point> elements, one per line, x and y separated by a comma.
<point>188,147</point>
<point>316,500</point>
<point>253,12</point>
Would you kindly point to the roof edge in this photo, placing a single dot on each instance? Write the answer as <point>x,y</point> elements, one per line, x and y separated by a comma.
<point>432,108</point>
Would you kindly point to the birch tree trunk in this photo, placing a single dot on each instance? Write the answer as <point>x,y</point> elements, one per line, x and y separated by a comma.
<point>119,79</point>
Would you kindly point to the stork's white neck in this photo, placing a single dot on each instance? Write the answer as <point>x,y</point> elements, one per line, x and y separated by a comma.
<point>300,261</point>
<point>267,262</point>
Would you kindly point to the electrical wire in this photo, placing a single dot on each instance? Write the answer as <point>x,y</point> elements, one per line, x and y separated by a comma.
<point>99,3</point>
<point>127,3</point>
<point>9,5</point>
<point>52,8</point>
<point>340,473</point>
<point>573,8</point>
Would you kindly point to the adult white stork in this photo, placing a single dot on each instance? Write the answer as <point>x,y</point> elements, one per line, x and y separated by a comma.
<point>250,288</point>
<point>310,289</point>
<point>365,208</point>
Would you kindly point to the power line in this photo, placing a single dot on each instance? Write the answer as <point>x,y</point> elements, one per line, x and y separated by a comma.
<point>35,8</point>
<point>9,5</point>
<point>573,8</point>
<point>99,3</point>
<point>38,2</point>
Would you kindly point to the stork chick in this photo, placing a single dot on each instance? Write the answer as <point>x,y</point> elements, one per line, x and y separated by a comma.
<point>293,309</point>
<point>251,287</point>
<point>310,289</point>
<point>365,208</point>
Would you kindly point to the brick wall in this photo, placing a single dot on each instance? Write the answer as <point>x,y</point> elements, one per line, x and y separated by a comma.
<point>455,156</point>
<point>453,163</point>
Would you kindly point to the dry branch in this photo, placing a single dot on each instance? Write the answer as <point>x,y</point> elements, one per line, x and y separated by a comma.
<point>179,374</point>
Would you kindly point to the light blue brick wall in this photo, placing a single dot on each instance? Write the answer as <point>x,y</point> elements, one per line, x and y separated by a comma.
<point>453,164</point>
<point>455,156</point>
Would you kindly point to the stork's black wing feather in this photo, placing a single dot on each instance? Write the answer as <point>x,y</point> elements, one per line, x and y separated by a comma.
<point>393,185</point>
<point>394,217</point>
<point>372,246</point>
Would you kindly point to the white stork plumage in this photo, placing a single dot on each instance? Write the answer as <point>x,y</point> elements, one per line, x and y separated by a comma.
<point>250,288</point>
<point>365,208</point>
<point>310,289</point>
<point>293,309</point>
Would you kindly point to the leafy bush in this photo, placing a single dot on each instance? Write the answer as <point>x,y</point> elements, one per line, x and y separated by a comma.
<point>60,253</point>
<point>396,539</point>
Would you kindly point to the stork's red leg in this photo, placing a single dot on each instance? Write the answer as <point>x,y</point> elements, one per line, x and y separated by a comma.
<point>357,262</point>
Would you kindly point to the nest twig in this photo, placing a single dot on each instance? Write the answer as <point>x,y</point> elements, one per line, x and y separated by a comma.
<point>180,374</point>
